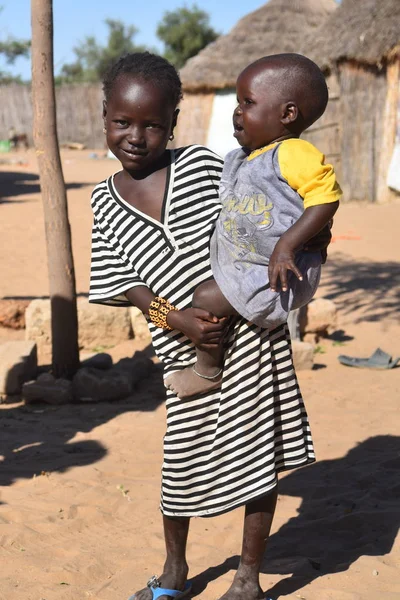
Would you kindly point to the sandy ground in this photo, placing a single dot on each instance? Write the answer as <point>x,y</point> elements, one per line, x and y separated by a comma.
<point>80,484</point>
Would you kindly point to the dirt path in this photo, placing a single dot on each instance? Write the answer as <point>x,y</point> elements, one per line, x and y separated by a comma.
<point>80,484</point>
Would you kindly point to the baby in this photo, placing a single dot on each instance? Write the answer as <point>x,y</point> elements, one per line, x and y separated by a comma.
<point>276,194</point>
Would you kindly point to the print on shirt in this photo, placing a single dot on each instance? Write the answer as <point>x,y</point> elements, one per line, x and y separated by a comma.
<point>240,222</point>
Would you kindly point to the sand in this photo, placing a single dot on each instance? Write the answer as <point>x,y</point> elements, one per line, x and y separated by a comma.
<point>79,499</point>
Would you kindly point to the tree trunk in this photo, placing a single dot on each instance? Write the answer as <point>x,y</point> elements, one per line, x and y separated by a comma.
<point>64,322</point>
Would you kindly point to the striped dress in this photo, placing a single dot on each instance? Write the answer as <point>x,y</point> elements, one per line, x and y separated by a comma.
<point>221,449</point>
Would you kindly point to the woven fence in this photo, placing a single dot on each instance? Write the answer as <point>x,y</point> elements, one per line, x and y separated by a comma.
<point>79,109</point>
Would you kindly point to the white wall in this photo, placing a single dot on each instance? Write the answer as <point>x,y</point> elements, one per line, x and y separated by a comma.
<point>220,134</point>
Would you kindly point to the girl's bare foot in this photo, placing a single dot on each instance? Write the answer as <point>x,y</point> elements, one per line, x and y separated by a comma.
<point>241,590</point>
<point>190,382</point>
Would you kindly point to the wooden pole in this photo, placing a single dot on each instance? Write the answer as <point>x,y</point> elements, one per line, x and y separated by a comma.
<point>64,322</point>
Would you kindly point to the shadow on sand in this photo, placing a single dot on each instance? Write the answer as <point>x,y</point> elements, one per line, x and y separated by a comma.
<point>372,288</point>
<point>29,446</point>
<point>350,508</point>
<point>14,183</point>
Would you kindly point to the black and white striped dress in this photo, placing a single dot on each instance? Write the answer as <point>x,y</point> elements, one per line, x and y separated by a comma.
<point>225,448</point>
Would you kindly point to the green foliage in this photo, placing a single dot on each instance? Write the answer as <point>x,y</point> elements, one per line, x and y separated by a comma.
<point>93,60</point>
<point>11,49</point>
<point>185,31</point>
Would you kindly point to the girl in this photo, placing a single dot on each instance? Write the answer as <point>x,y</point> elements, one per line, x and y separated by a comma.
<point>152,225</point>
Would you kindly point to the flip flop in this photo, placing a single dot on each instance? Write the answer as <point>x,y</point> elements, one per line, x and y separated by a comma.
<point>378,360</point>
<point>154,586</point>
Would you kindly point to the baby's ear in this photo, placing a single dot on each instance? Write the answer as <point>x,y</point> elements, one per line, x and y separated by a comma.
<point>290,112</point>
<point>104,109</point>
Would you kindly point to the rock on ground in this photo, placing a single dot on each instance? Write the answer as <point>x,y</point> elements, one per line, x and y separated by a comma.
<point>303,355</point>
<point>18,363</point>
<point>12,313</point>
<point>99,326</point>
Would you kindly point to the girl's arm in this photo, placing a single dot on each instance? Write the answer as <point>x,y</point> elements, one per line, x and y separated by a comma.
<point>310,223</point>
<point>199,325</point>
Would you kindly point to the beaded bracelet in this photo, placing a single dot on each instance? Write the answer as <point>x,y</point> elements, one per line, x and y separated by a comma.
<point>158,311</point>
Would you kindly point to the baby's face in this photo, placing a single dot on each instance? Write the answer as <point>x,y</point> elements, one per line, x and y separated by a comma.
<point>257,120</point>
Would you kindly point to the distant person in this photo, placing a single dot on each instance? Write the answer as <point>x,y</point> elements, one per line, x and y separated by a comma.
<point>153,221</point>
<point>276,192</point>
<point>17,139</point>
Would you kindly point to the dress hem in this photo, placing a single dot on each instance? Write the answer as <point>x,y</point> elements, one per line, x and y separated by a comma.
<point>250,498</point>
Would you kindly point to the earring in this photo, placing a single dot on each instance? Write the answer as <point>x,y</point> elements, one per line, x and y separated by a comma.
<point>171,137</point>
<point>104,130</point>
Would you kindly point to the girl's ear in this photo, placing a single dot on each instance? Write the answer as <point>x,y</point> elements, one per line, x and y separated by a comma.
<point>174,120</point>
<point>290,112</point>
<point>104,109</point>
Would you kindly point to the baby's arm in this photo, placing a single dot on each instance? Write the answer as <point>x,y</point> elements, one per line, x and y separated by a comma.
<point>199,325</point>
<point>308,225</point>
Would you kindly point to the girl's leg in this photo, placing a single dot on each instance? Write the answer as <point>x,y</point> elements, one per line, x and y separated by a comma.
<point>206,374</point>
<point>257,525</point>
<point>175,568</point>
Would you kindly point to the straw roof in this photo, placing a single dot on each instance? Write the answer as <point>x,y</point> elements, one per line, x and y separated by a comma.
<point>278,26</point>
<point>366,31</point>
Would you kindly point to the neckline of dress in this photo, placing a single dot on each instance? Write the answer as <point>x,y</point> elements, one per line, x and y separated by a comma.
<point>166,199</point>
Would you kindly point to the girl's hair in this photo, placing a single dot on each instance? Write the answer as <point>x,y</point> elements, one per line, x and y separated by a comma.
<point>148,67</point>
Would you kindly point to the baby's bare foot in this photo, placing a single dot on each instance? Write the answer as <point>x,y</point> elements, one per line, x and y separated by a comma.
<point>188,382</point>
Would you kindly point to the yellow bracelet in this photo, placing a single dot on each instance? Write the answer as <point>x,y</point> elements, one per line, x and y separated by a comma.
<point>158,310</point>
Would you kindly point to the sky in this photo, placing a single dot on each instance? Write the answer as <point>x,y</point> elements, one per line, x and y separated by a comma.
<point>76,19</point>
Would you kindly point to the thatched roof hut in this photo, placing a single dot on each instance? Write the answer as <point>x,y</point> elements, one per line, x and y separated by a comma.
<point>360,44</point>
<point>364,31</point>
<point>356,43</point>
<point>209,78</point>
<point>278,26</point>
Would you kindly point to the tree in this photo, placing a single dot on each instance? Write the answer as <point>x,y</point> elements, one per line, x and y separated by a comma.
<point>11,49</point>
<point>185,32</point>
<point>93,60</point>
<point>64,322</point>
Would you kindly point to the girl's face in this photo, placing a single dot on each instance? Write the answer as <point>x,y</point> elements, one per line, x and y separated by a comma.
<point>139,119</point>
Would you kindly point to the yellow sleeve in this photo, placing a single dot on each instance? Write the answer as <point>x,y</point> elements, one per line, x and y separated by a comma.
<point>304,168</point>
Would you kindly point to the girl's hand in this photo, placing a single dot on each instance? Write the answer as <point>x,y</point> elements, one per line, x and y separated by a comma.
<point>282,260</point>
<point>200,326</point>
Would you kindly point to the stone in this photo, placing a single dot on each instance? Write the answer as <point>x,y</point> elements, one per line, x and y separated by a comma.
<point>49,390</point>
<point>94,385</point>
<point>99,325</point>
<point>18,364</point>
<point>136,368</point>
<point>320,317</point>
<point>310,338</point>
<point>139,325</point>
<point>303,355</point>
<point>12,313</point>
<point>101,361</point>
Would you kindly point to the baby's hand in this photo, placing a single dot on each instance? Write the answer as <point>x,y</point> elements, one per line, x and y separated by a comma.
<point>200,326</point>
<point>282,260</point>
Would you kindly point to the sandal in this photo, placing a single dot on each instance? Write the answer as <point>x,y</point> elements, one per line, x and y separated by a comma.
<point>154,585</point>
<point>378,360</point>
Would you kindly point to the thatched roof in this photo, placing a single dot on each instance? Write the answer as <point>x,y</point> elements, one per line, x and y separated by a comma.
<point>366,31</point>
<point>278,26</point>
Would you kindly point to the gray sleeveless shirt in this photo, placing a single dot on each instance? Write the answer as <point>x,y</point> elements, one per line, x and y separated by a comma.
<point>258,206</point>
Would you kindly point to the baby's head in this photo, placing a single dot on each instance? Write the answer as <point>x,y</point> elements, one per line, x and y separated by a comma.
<point>279,96</point>
<point>142,92</point>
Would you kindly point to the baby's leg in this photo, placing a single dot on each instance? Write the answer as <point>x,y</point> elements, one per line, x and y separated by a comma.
<point>206,374</point>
